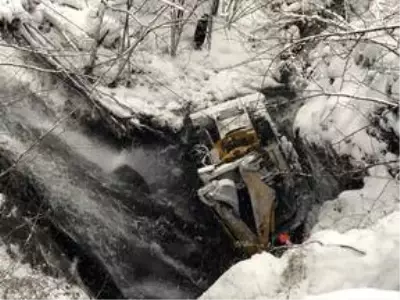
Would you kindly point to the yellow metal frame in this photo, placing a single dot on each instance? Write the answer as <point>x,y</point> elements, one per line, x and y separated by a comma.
<point>246,139</point>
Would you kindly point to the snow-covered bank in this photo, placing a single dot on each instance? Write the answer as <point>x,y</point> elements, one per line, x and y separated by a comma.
<point>360,208</point>
<point>351,104</point>
<point>156,84</point>
<point>327,262</point>
<point>20,281</point>
<point>353,93</point>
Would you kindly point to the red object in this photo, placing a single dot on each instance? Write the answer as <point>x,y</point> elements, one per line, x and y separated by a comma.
<point>284,238</point>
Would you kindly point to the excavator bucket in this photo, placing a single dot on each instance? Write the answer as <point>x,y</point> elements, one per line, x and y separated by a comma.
<point>221,196</point>
<point>241,234</point>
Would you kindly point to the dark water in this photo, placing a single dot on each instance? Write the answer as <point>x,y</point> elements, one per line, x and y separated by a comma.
<point>128,243</point>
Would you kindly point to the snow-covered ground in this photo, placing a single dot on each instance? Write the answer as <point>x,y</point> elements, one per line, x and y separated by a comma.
<point>361,80</point>
<point>328,261</point>
<point>161,85</point>
<point>21,281</point>
<point>360,208</point>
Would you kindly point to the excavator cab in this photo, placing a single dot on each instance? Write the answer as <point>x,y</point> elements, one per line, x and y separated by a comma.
<point>238,174</point>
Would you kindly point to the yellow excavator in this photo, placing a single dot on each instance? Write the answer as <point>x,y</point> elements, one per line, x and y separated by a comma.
<point>240,155</point>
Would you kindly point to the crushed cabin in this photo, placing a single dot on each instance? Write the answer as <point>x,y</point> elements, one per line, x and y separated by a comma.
<point>248,171</point>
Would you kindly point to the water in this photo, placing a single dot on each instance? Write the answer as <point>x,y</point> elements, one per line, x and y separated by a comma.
<point>162,245</point>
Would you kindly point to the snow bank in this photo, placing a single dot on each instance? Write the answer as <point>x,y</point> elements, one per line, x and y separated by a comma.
<point>22,9</point>
<point>20,281</point>
<point>344,121</point>
<point>360,208</point>
<point>350,84</point>
<point>258,276</point>
<point>79,22</point>
<point>329,261</point>
<point>159,85</point>
<point>347,90</point>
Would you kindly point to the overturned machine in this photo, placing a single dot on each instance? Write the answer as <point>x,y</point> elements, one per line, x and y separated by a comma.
<point>244,164</point>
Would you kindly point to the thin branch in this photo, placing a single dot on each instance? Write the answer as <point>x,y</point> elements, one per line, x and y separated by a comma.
<point>37,142</point>
<point>369,99</point>
<point>30,67</point>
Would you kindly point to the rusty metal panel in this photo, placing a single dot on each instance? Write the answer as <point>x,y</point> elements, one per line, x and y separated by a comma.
<point>262,200</point>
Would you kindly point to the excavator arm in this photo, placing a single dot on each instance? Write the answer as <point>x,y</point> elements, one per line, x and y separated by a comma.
<point>222,197</point>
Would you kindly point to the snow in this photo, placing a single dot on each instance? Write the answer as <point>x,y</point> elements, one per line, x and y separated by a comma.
<point>21,281</point>
<point>161,86</point>
<point>344,118</point>
<point>347,114</point>
<point>11,9</point>
<point>22,9</point>
<point>80,23</point>
<point>329,261</point>
<point>2,201</point>
<point>360,208</point>
<point>235,282</point>
<point>345,123</point>
<point>391,121</point>
<point>357,294</point>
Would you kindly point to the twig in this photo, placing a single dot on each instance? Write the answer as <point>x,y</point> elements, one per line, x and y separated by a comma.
<point>337,245</point>
<point>37,142</point>
<point>375,100</point>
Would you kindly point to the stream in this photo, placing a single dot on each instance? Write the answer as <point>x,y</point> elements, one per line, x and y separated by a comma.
<point>127,243</point>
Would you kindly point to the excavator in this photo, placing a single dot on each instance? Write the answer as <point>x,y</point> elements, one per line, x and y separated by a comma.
<point>242,163</point>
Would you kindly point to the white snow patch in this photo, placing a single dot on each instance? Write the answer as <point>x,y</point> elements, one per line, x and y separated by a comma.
<point>329,261</point>
<point>163,85</point>
<point>391,121</point>
<point>344,118</point>
<point>21,281</point>
<point>80,23</point>
<point>21,9</point>
<point>2,200</point>
<point>360,208</point>
<point>337,121</point>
